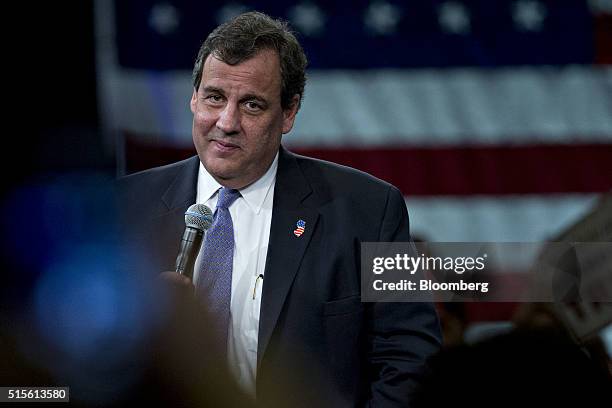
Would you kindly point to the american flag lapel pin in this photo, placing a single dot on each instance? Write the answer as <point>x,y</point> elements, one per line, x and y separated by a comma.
<point>299,230</point>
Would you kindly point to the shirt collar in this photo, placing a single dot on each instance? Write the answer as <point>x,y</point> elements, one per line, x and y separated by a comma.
<point>254,194</point>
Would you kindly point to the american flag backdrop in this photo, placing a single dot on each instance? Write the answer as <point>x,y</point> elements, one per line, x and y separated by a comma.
<point>494,118</point>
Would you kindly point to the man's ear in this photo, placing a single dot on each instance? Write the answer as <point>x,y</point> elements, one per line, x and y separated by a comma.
<point>289,114</point>
<point>194,101</point>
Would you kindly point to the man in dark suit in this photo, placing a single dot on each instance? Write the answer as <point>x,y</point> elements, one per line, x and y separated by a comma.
<point>315,343</point>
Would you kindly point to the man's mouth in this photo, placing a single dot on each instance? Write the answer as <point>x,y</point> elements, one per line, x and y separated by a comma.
<point>224,146</point>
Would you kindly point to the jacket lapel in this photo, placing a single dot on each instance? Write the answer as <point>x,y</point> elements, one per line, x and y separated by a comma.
<point>285,249</point>
<point>170,221</point>
<point>182,189</point>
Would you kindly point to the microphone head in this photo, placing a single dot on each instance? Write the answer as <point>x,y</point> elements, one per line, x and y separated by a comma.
<point>198,216</point>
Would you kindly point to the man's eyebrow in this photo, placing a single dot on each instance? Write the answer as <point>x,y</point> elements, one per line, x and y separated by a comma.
<point>213,89</point>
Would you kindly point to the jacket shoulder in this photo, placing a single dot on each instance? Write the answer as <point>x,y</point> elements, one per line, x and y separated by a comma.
<point>342,179</point>
<point>155,177</point>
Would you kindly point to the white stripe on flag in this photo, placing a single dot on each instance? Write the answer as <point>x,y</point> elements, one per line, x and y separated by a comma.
<point>381,108</point>
<point>496,219</point>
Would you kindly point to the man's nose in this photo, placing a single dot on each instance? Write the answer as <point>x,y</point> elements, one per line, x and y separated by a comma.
<point>229,119</point>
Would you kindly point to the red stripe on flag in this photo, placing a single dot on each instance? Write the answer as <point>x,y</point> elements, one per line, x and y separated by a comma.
<point>534,169</point>
<point>490,170</point>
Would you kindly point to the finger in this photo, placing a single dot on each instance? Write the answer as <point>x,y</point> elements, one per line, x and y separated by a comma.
<point>175,278</point>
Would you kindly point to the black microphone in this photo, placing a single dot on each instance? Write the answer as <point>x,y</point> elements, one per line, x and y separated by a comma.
<point>198,219</point>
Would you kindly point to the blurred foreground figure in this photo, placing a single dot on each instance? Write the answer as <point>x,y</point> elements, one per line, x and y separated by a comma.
<point>79,312</point>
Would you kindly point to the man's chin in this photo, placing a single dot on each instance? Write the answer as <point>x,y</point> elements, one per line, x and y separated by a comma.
<point>219,170</point>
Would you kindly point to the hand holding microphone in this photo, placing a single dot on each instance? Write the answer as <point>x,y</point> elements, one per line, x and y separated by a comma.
<point>198,219</point>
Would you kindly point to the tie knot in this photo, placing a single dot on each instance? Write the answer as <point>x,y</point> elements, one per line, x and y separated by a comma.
<point>227,197</point>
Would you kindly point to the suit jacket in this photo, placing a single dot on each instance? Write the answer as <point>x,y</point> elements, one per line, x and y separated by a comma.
<point>319,345</point>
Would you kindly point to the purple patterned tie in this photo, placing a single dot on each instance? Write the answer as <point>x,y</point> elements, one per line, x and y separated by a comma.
<point>214,286</point>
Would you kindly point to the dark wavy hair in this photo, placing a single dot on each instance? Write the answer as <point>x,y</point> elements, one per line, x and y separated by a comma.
<point>242,37</point>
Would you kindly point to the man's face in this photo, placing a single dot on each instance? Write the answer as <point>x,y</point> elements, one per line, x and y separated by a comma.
<point>238,120</point>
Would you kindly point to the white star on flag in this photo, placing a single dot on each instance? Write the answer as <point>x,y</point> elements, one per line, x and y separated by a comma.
<point>529,15</point>
<point>454,18</point>
<point>382,18</point>
<point>230,11</point>
<point>164,18</point>
<point>308,18</point>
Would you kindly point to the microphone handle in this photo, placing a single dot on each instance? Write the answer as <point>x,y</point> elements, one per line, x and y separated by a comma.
<point>190,246</point>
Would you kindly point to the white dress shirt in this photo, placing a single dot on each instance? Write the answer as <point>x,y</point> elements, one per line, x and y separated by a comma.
<point>251,216</point>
